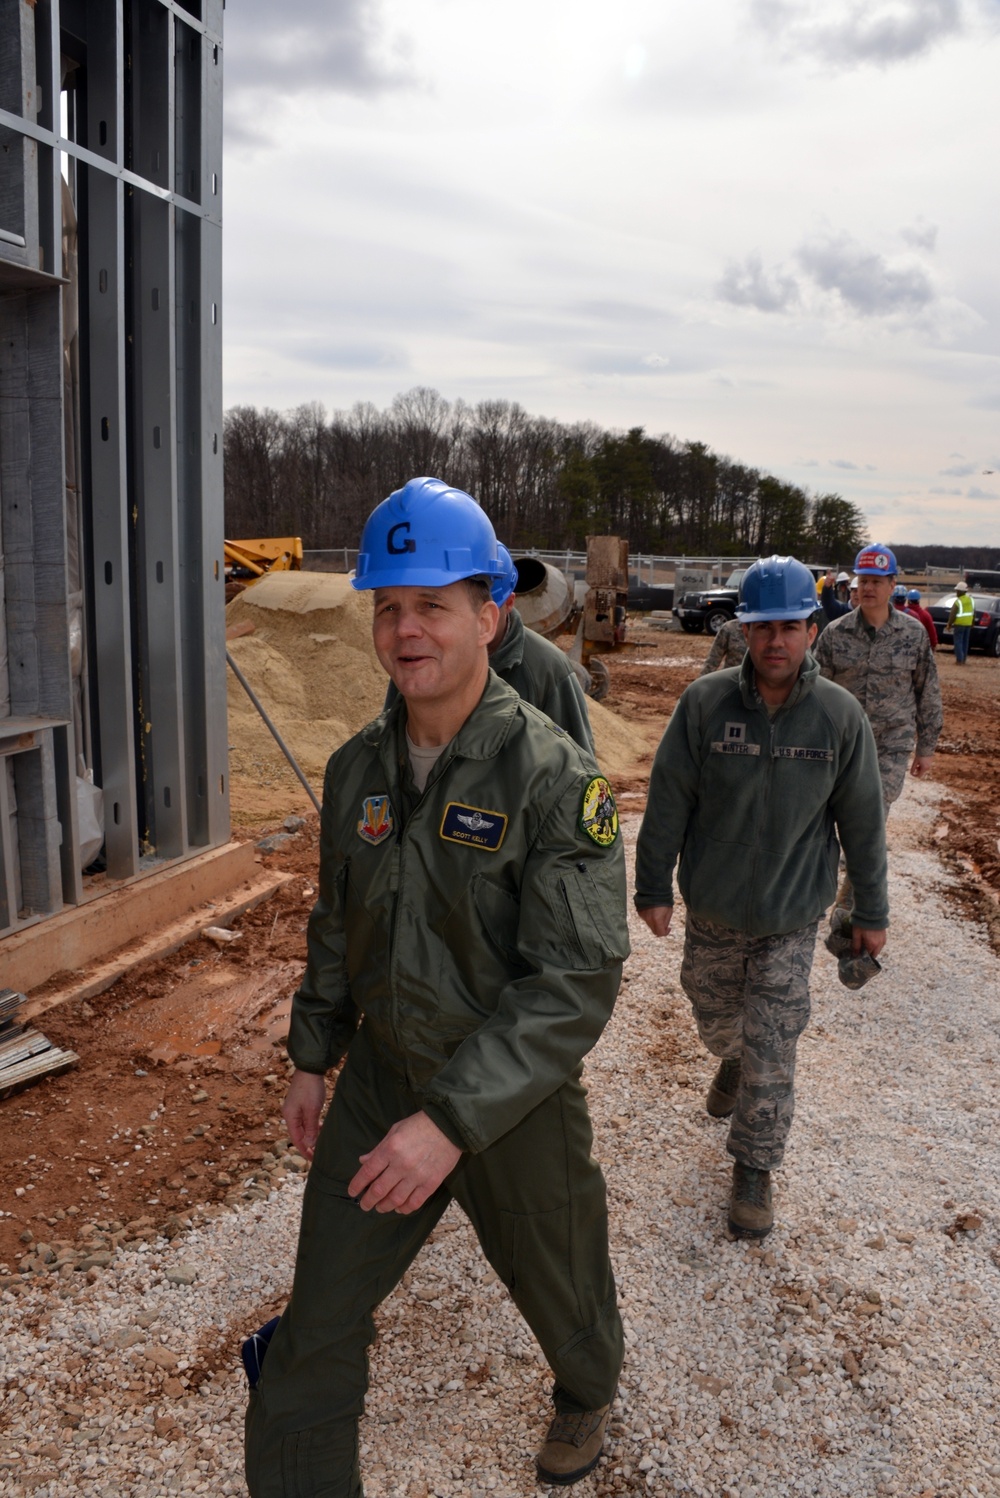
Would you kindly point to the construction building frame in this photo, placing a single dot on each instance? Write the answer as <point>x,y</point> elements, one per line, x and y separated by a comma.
<point>112,631</point>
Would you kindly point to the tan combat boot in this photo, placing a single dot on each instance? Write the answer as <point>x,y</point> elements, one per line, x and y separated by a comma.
<point>721,1099</point>
<point>573,1446</point>
<point>751,1214</point>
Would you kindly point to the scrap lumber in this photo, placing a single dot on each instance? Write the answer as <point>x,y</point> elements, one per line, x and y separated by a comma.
<point>26,1055</point>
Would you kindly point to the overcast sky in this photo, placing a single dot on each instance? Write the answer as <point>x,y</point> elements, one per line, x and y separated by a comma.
<point>768,225</point>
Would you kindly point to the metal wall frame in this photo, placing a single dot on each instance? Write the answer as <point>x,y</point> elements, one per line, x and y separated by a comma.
<point>123,99</point>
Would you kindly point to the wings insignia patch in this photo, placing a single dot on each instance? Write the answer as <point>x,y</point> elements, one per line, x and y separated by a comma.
<point>474,826</point>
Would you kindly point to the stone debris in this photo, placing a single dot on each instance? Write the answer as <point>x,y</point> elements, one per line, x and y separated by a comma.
<point>811,1364</point>
<point>221,935</point>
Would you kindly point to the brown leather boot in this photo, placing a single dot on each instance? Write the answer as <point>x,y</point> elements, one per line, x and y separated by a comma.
<point>751,1214</point>
<point>573,1446</point>
<point>721,1098</point>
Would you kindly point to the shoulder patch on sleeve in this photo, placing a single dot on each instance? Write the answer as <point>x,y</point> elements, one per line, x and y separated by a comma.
<point>598,812</point>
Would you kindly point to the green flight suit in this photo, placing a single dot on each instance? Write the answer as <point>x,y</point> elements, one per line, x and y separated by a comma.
<point>479,929</point>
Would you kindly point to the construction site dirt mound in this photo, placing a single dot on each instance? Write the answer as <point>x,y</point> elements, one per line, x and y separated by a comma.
<point>311,661</point>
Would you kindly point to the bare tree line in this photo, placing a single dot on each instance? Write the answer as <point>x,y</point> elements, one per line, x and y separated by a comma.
<point>544,483</point>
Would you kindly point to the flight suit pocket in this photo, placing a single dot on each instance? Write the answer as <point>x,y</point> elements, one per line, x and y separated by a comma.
<point>587,902</point>
<point>500,912</point>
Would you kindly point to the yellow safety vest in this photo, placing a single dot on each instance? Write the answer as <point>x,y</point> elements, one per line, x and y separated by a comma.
<point>965,610</point>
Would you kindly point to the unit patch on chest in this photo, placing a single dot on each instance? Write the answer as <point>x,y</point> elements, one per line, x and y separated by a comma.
<point>474,826</point>
<point>377,820</point>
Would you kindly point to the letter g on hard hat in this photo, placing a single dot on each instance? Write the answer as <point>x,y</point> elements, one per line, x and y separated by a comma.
<point>426,535</point>
<point>776,588</point>
<point>876,561</point>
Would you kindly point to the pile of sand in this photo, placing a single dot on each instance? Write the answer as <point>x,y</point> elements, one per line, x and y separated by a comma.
<point>311,662</point>
<point>619,744</point>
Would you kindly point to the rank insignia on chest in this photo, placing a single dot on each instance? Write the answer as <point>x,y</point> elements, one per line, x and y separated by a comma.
<point>598,813</point>
<point>377,820</point>
<point>474,826</point>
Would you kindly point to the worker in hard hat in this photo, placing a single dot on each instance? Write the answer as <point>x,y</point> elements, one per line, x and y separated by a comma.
<point>763,774</point>
<point>884,658</point>
<point>960,620</point>
<point>917,611</point>
<point>834,598</point>
<point>538,671</point>
<point>472,913</point>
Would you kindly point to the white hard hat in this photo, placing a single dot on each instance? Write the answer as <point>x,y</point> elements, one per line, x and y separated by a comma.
<point>853,583</point>
<point>843,577</point>
<point>961,587</point>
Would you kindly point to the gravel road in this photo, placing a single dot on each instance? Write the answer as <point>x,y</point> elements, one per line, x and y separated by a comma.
<point>854,1352</point>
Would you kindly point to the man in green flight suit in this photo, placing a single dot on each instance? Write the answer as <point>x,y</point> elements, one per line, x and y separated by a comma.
<point>465,953</point>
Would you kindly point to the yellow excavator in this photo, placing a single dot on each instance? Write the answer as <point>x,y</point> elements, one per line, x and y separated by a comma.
<point>248,561</point>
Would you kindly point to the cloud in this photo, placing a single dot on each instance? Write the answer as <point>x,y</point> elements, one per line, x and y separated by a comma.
<point>863,279</point>
<point>976,493</point>
<point>957,471</point>
<point>326,45</point>
<point>749,285</point>
<point>920,236</point>
<point>350,356</point>
<point>945,491</point>
<point>881,33</point>
<point>843,463</point>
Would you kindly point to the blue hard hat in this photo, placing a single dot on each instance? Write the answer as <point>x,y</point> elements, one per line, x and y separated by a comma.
<point>776,588</point>
<point>502,587</point>
<point>876,560</point>
<point>427,535</point>
<point>914,595</point>
<point>899,591</point>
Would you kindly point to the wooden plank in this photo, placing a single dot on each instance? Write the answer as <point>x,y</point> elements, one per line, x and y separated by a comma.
<point>12,1052</point>
<point>50,1064</point>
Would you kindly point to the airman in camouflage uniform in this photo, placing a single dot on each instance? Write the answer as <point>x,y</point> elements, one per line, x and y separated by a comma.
<point>762,774</point>
<point>728,648</point>
<point>883,658</point>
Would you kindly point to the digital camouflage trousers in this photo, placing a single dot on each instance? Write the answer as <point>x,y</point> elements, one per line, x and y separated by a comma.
<point>892,770</point>
<point>750,996</point>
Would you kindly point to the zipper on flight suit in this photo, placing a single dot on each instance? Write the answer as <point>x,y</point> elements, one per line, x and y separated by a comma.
<point>396,883</point>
